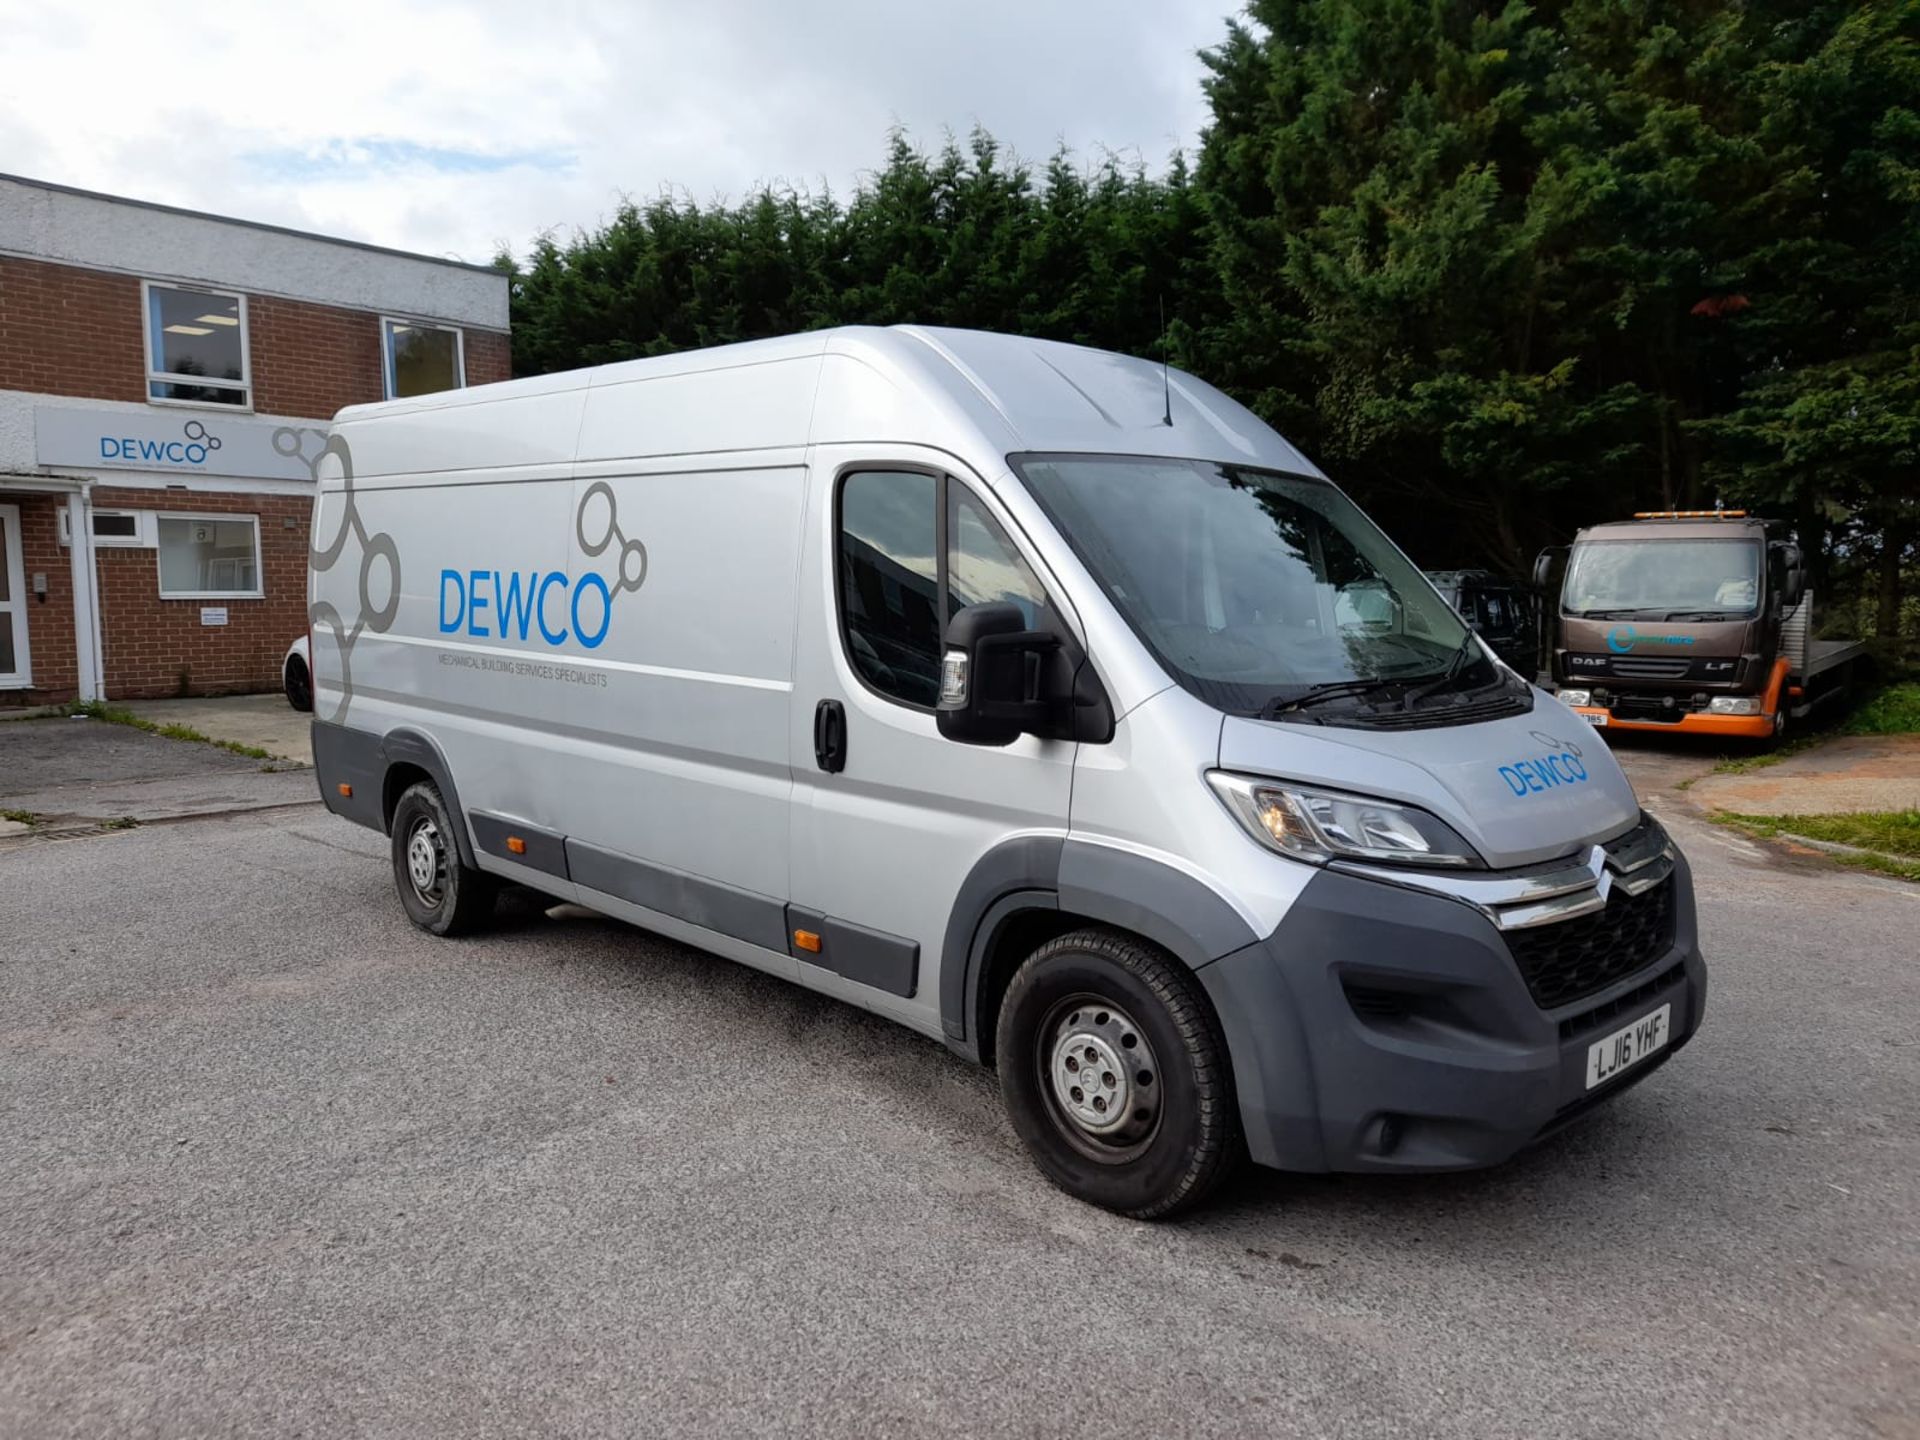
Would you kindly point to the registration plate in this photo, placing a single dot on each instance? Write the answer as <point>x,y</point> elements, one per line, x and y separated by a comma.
<point>1593,717</point>
<point>1626,1048</point>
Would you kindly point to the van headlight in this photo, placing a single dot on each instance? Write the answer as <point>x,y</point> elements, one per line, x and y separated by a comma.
<point>1734,705</point>
<point>1576,697</point>
<point>1322,825</point>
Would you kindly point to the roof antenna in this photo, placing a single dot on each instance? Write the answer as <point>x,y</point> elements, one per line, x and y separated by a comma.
<point>1166,383</point>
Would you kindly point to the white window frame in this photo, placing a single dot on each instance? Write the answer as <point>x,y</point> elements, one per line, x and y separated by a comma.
<point>163,377</point>
<point>387,322</point>
<point>141,539</point>
<point>259,591</point>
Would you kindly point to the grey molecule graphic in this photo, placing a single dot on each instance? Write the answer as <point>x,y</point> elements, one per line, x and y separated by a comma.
<point>598,513</point>
<point>196,434</point>
<point>376,550</point>
<point>633,555</point>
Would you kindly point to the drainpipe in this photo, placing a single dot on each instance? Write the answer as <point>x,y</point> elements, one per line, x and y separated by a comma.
<point>86,593</point>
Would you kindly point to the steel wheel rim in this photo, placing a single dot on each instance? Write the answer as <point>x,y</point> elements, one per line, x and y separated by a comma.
<point>427,861</point>
<point>1100,1077</point>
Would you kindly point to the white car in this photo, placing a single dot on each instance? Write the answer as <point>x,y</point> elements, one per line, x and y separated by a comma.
<point>296,675</point>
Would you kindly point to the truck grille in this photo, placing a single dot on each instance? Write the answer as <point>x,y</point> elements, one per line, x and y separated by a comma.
<point>1645,669</point>
<point>1659,710</point>
<point>1564,961</point>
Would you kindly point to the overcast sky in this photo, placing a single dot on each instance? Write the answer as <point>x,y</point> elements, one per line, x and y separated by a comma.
<point>455,128</point>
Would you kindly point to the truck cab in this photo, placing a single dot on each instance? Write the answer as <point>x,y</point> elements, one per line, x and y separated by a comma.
<point>1696,621</point>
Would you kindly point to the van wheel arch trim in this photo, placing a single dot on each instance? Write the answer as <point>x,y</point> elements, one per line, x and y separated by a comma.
<point>1100,883</point>
<point>410,747</point>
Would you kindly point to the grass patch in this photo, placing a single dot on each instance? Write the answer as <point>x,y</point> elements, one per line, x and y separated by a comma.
<point>125,822</point>
<point>118,715</point>
<point>1894,711</point>
<point>1895,831</point>
<point>1888,841</point>
<point>20,817</point>
<point>1884,865</point>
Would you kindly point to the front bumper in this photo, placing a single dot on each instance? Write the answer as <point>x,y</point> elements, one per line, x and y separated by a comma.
<point>1382,1028</point>
<point>1695,722</point>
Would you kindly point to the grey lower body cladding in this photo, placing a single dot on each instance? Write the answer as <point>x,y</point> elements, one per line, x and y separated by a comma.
<point>361,762</point>
<point>1383,1029</point>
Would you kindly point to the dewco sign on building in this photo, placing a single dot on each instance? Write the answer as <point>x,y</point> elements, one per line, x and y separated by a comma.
<point>165,441</point>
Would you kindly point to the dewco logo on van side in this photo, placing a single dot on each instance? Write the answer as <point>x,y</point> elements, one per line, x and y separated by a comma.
<point>1560,765</point>
<point>513,606</point>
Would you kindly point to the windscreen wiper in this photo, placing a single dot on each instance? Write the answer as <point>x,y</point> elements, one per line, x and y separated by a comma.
<point>1625,614</point>
<point>1705,615</point>
<point>1333,690</point>
<point>1466,647</point>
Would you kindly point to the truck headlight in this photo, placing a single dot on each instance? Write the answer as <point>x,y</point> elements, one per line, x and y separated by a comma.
<point>1734,705</point>
<point>1321,825</point>
<point>1576,697</point>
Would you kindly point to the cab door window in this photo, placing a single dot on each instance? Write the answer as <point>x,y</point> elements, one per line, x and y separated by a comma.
<point>913,550</point>
<point>890,581</point>
<point>982,564</point>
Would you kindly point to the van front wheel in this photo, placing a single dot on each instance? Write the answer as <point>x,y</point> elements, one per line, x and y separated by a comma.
<point>1115,1075</point>
<point>440,894</point>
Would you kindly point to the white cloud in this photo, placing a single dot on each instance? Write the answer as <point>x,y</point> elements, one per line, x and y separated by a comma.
<point>453,128</point>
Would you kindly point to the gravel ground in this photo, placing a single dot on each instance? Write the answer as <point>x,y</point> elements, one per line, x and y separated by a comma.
<point>1848,773</point>
<point>274,1162</point>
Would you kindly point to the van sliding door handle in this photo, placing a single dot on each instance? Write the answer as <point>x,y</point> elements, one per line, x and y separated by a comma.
<point>830,736</point>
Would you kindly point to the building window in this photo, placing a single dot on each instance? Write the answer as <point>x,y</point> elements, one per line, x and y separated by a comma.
<point>196,347</point>
<point>124,529</point>
<point>204,557</point>
<point>421,359</point>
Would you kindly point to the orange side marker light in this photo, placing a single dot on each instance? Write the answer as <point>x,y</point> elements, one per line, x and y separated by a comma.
<point>806,940</point>
<point>515,845</point>
<point>346,789</point>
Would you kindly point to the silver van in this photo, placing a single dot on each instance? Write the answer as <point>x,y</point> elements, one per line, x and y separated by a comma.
<point>1038,698</point>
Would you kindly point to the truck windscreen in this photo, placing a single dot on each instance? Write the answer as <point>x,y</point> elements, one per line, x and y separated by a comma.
<point>1251,587</point>
<point>1692,579</point>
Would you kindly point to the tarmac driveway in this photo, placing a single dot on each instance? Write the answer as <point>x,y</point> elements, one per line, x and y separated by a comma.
<point>76,772</point>
<point>275,1162</point>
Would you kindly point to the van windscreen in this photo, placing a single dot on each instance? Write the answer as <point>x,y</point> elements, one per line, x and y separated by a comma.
<point>1252,587</point>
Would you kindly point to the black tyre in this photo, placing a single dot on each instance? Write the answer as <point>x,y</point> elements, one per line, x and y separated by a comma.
<point>439,894</point>
<point>1115,1075</point>
<point>299,685</point>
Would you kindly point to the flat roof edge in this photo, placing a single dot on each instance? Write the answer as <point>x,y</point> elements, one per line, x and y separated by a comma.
<point>313,235</point>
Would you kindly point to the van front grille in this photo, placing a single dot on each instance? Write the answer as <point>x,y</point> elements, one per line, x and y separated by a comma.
<point>1599,1015</point>
<point>1569,959</point>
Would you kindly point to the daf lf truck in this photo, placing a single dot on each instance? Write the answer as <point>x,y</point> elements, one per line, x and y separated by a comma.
<point>1037,698</point>
<point>1690,622</point>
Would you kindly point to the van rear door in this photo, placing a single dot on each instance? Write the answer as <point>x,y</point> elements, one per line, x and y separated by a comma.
<point>888,816</point>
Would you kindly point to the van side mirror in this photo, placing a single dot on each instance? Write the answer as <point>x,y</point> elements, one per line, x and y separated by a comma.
<point>994,676</point>
<point>1543,566</point>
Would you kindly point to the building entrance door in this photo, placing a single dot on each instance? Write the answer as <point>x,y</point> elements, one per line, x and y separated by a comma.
<point>14,671</point>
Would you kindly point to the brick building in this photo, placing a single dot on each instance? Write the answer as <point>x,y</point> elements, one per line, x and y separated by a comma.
<point>166,378</point>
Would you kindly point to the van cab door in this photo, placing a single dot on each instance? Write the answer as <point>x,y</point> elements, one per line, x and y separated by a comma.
<point>888,816</point>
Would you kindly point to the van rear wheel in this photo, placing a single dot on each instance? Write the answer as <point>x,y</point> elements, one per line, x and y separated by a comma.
<point>439,893</point>
<point>1115,1075</point>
